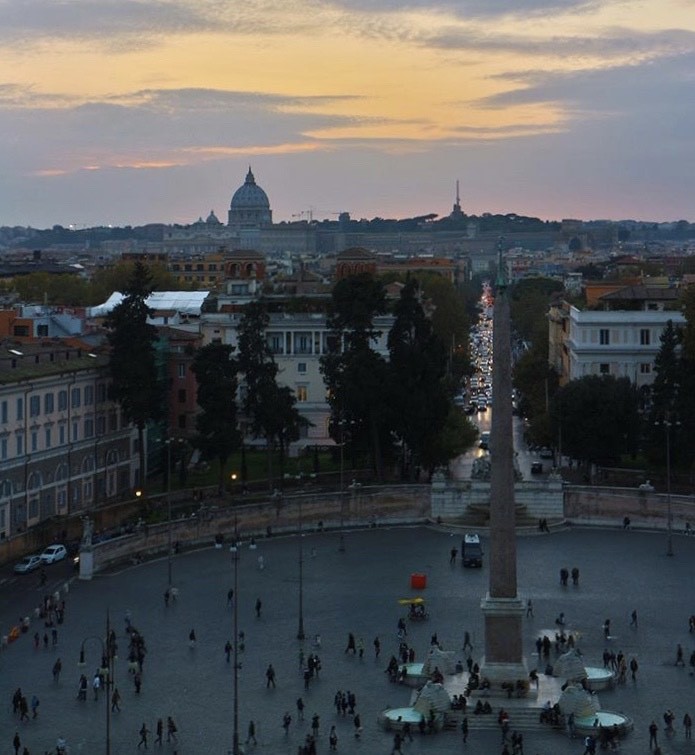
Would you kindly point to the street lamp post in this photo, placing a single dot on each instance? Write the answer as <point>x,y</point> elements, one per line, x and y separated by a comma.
<point>170,548</point>
<point>235,602</point>
<point>300,628</point>
<point>341,547</point>
<point>669,525</point>
<point>108,655</point>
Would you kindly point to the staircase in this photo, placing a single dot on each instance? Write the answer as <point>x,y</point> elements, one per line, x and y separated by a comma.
<point>520,719</point>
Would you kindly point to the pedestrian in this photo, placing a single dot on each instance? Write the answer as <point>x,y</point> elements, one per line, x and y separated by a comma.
<point>270,676</point>
<point>377,647</point>
<point>679,655</point>
<point>286,721</point>
<point>564,576</point>
<point>160,731</point>
<point>332,739</point>
<point>57,668</point>
<point>115,700</point>
<point>16,743</point>
<point>230,596</point>
<point>687,726</point>
<point>464,729</point>
<point>467,644</point>
<point>351,643</point>
<point>37,640</point>
<point>54,636</point>
<point>258,608</point>
<point>171,730</point>
<point>166,598</point>
<point>653,729</point>
<point>251,734</point>
<point>633,618</point>
<point>452,555</point>
<point>227,649</point>
<point>529,607</point>
<point>96,683</point>
<point>357,723</point>
<point>360,647</point>
<point>144,731</point>
<point>45,641</point>
<point>137,681</point>
<point>397,742</point>
<point>633,668</point>
<point>191,639</point>
<point>34,706</point>
<point>300,709</point>
<point>575,576</point>
<point>607,629</point>
<point>315,725</point>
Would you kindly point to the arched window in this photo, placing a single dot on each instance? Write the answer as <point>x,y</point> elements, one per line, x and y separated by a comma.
<point>35,481</point>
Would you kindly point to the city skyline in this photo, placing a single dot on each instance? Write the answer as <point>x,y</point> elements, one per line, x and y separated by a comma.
<point>141,111</point>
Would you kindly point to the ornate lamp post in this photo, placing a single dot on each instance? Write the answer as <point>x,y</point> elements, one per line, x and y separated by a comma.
<point>235,626</point>
<point>108,656</point>
<point>668,423</point>
<point>300,628</point>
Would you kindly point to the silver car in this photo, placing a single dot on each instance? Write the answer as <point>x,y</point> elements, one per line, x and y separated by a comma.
<point>27,564</point>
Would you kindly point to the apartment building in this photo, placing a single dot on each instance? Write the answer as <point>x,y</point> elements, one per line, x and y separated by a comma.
<point>64,445</point>
<point>621,339</point>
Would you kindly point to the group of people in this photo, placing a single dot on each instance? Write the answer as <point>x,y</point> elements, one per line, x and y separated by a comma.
<point>565,575</point>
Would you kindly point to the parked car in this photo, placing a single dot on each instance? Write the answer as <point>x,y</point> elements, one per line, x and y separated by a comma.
<point>53,553</point>
<point>27,564</point>
<point>536,467</point>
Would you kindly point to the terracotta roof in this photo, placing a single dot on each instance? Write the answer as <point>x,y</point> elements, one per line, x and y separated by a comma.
<point>641,293</point>
<point>356,253</point>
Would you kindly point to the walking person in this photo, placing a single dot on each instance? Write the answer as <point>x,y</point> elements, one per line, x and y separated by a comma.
<point>144,731</point>
<point>270,676</point>
<point>467,644</point>
<point>315,725</point>
<point>227,649</point>
<point>332,739</point>
<point>171,730</point>
<point>259,605</point>
<point>377,647</point>
<point>452,555</point>
<point>96,683</point>
<point>397,742</point>
<point>687,726</point>
<point>529,608</point>
<point>16,743</point>
<point>286,721</point>
<point>192,639</point>
<point>633,668</point>
<point>653,730</point>
<point>57,668</point>
<point>160,732</point>
<point>34,706</point>
<point>300,709</point>
<point>633,619</point>
<point>464,729</point>
<point>116,701</point>
<point>679,655</point>
<point>251,733</point>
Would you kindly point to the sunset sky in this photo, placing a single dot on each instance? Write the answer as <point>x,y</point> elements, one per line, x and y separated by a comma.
<point>126,112</point>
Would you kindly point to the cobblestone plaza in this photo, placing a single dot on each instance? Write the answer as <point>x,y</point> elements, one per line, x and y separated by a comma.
<point>353,591</point>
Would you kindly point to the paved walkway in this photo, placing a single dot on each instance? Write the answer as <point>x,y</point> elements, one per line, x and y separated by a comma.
<point>357,592</point>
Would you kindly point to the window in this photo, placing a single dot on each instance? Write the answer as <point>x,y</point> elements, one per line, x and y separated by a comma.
<point>20,444</point>
<point>62,401</point>
<point>604,368</point>
<point>89,428</point>
<point>20,408</point>
<point>34,441</point>
<point>47,437</point>
<point>3,448</point>
<point>645,368</point>
<point>301,367</point>
<point>88,395</point>
<point>275,343</point>
<point>48,403</point>
<point>101,425</point>
<point>182,396</point>
<point>61,434</point>
<point>182,370</point>
<point>75,398</point>
<point>302,393</point>
<point>75,431</point>
<point>302,343</point>
<point>644,337</point>
<point>42,331</point>
<point>101,393</point>
<point>604,337</point>
<point>3,412</point>
<point>34,406</point>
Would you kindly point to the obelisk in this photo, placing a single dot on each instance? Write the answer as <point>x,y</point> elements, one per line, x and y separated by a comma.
<point>502,608</point>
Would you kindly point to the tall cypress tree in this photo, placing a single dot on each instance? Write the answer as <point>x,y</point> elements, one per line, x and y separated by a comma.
<point>135,382</point>
<point>218,435</point>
